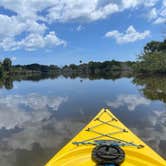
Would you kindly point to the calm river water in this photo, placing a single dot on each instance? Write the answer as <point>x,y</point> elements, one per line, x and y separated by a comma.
<point>38,118</point>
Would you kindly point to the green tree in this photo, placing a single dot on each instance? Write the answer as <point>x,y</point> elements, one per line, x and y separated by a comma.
<point>1,71</point>
<point>73,67</point>
<point>151,47</point>
<point>155,46</point>
<point>153,60</point>
<point>7,64</point>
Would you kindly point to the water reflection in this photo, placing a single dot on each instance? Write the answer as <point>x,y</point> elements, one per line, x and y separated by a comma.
<point>153,87</point>
<point>25,128</point>
<point>26,108</point>
<point>35,144</point>
<point>7,82</point>
<point>154,131</point>
<point>38,118</point>
<point>129,100</point>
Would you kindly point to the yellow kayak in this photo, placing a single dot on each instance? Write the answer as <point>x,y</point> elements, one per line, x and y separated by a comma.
<point>106,141</point>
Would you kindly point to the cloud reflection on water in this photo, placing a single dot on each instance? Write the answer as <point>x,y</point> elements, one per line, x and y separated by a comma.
<point>130,100</point>
<point>36,134</point>
<point>33,114</point>
<point>155,132</point>
<point>48,135</point>
<point>19,110</point>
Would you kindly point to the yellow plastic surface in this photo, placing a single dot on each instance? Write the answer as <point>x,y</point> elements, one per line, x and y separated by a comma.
<point>80,155</point>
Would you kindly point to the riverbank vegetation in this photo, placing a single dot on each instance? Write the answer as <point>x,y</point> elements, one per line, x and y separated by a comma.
<point>33,72</point>
<point>152,61</point>
<point>94,70</point>
<point>7,69</point>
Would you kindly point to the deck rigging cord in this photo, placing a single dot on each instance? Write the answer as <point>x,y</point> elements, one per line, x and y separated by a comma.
<point>114,141</point>
<point>107,152</point>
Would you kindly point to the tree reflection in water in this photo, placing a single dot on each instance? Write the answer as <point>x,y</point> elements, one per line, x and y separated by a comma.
<point>153,87</point>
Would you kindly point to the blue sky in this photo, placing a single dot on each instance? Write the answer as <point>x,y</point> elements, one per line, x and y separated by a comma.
<point>67,31</point>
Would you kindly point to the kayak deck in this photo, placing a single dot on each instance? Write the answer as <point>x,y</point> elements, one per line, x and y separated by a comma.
<point>105,126</point>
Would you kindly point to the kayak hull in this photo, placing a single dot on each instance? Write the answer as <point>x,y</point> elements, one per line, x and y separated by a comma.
<point>105,126</point>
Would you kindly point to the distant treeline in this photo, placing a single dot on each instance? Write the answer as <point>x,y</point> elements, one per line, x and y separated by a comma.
<point>7,69</point>
<point>94,70</point>
<point>104,69</point>
<point>33,72</point>
<point>37,68</point>
<point>153,60</point>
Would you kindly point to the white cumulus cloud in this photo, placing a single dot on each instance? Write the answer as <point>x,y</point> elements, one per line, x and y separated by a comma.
<point>34,18</point>
<point>136,3</point>
<point>161,16</point>
<point>10,26</point>
<point>32,42</point>
<point>152,14</point>
<point>67,10</point>
<point>160,20</point>
<point>130,35</point>
<point>13,58</point>
<point>158,14</point>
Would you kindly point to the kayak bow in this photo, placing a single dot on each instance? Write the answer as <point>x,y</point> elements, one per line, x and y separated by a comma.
<point>106,141</point>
